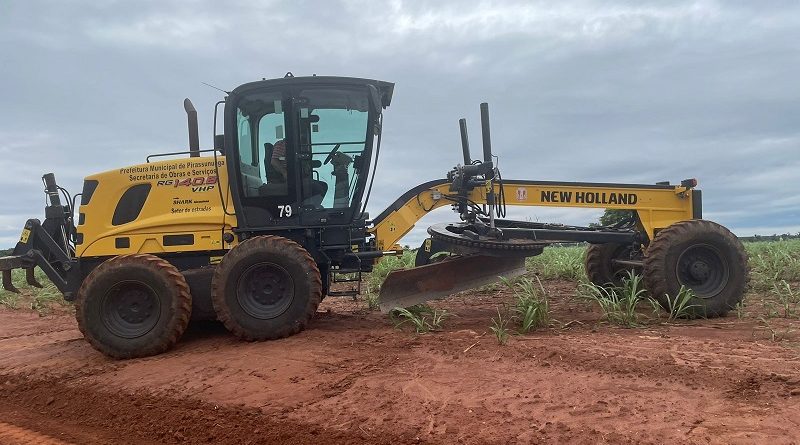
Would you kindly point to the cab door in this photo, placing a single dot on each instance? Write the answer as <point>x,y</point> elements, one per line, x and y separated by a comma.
<point>264,165</point>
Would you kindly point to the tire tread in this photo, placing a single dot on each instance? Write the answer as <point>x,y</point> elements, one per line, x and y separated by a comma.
<point>183,308</point>
<point>655,276</point>
<point>262,243</point>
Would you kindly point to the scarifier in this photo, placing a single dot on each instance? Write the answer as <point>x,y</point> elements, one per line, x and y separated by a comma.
<point>256,231</point>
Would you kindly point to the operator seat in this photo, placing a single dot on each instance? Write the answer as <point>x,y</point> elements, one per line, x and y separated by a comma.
<point>318,188</point>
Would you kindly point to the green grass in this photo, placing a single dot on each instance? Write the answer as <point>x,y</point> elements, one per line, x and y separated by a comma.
<point>386,265</point>
<point>774,283</point>
<point>774,272</point>
<point>9,299</point>
<point>679,306</point>
<point>41,300</point>
<point>618,304</point>
<point>787,299</point>
<point>772,262</point>
<point>531,309</point>
<point>774,332</point>
<point>375,279</point>
<point>565,263</point>
<point>499,327</point>
<point>421,317</point>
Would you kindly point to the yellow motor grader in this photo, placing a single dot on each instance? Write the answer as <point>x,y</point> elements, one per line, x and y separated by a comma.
<point>255,231</point>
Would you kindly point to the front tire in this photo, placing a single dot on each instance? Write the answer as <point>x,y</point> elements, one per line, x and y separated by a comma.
<point>267,287</point>
<point>133,306</point>
<point>703,256</point>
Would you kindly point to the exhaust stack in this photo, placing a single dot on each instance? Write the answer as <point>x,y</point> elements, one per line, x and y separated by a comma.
<point>194,132</point>
<point>485,133</point>
<point>462,123</point>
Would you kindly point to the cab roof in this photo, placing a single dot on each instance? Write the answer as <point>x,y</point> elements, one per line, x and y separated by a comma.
<point>384,88</point>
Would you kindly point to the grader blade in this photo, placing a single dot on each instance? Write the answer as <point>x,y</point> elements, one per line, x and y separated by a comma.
<point>404,288</point>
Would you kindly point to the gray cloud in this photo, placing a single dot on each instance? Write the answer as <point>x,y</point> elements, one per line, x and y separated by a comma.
<point>594,91</point>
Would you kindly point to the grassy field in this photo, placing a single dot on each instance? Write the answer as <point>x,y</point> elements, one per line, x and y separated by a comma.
<point>41,300</point>
<point>774,289</point>
<point>771,263</point>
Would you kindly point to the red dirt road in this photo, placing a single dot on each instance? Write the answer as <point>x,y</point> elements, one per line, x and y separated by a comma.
<point>353,378</point>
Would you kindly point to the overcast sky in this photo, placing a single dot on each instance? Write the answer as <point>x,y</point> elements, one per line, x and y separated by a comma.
<point>580,91</point>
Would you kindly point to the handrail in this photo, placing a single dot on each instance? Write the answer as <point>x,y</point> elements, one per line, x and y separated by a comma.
<point>177,153</point>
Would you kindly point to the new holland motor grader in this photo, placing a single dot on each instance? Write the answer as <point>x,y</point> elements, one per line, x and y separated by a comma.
<point>255,231</point>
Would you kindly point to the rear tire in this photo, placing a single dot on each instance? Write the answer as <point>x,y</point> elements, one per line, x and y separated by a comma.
<point>703,256</point>
<point>133,306</point>
<point>600,268</point>
<point>265,288</point>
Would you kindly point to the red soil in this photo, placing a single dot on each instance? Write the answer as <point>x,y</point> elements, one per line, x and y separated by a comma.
<point>353,378</point>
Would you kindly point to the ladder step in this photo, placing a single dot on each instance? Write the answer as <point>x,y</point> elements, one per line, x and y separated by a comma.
<point>343,293</point>
<point>344,271</point>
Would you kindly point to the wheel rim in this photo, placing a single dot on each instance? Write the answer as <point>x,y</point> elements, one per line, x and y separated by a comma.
<point>130,309</point>
<point>265,290</point>
<point>703,269</point>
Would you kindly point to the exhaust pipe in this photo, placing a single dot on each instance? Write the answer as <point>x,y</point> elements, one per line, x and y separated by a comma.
<point>462,123</point>
<point>194,132</point>
<point>487,158</point>
<point>487,138</point>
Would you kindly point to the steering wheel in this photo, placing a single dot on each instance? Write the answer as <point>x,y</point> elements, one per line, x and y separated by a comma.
<point>330,155</point>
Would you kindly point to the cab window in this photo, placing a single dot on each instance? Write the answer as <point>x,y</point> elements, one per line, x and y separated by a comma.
<point>263,157</point>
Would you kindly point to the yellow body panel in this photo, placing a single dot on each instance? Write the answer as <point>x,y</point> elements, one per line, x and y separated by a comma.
<point>657,207</point>
<point>184,198</point>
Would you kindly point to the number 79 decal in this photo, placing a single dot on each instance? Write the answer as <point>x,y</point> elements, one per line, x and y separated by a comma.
<point>284,211</point>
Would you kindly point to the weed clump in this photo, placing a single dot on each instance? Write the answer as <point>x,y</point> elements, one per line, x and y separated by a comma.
<point>499,327</point>
<point>788,300</point>
<point>421,317</point>
<point>531,309</point>
<point>618,304</point>
<point>679,306</point>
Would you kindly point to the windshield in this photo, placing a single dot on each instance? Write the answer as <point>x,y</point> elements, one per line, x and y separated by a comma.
<point>333,129</point>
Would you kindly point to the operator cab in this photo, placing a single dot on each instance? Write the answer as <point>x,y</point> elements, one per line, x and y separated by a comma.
<point>299,149</point>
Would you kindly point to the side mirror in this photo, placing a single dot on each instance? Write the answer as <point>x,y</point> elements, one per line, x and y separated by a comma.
<point>219,143</point>
<point>316,163</point>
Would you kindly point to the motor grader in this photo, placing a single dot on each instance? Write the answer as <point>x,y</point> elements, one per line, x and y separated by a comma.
<point>258,230</point>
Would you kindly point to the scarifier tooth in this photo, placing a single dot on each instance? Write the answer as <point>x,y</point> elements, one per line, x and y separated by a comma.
<point>31,278</point>
<point>7,284</point>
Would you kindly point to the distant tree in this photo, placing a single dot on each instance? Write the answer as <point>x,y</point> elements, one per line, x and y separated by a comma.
<point>613,216</point>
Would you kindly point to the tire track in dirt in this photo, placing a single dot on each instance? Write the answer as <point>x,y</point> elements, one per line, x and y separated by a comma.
<point>139,417</point>
<point>14,435</point>
<point>604,379</point>
<point>29,335</point>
